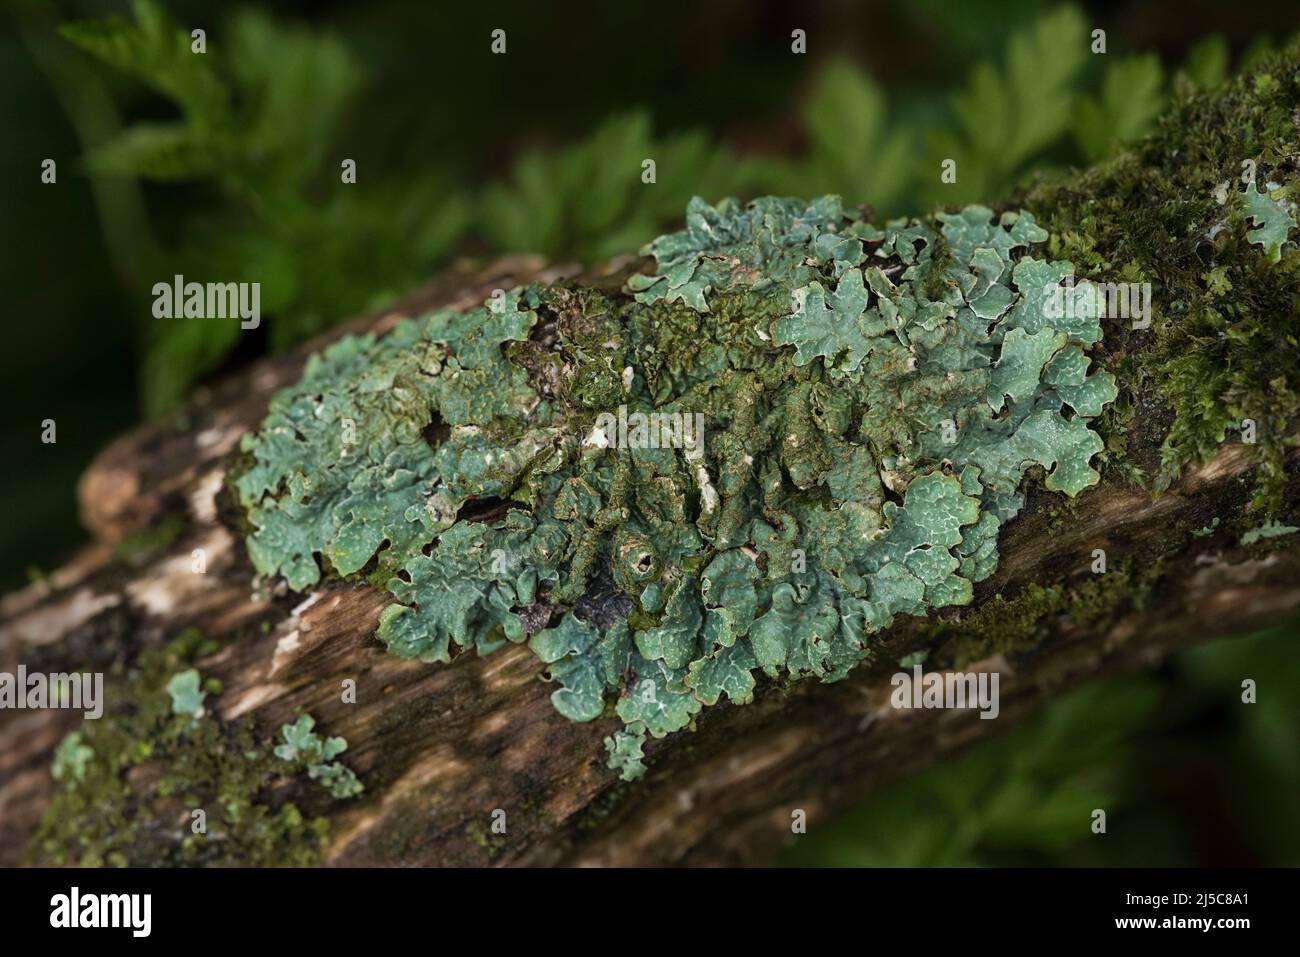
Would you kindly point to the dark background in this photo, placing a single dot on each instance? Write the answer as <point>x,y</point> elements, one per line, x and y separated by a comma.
<point>461,153</point>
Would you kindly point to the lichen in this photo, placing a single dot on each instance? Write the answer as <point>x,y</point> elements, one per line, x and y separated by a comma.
<point>625,752</point>
<point>1267,530</point>
<point>71,757</point>
<point>1205,531</point>
<point>871,400</point>
<point>129,783</point>
<point>1181,211</point>
<point>186,694</point>
<point>304,748</point>
<point>1272,216</point>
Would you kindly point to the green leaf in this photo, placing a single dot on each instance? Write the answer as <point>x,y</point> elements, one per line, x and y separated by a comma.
<point>1008,114</point>
<point>1206,65</point>
<point>301,81</point>
<point>157,151</point>
<point>156,50</point>
<point>853,151</point>
<point>588,201</point>
<point>1132,96</point>
<point>260,115</point>
<point>181,350</point>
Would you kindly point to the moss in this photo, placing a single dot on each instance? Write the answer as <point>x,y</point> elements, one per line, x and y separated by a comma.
<point>482,836</point>
<point>142,770</point>
<point>598,810</point>
<point>1059,513</point>
<point>1015,625</point>
<point>1224,345</point>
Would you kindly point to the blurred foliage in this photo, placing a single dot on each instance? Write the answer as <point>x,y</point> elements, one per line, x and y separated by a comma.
<point>853,149</point>
<point>261,111</point>
<point>589,202</point>
<point>1131,98</point>
<point>1010,112</point>
<point>1185,771</point>
<point>259,127</point>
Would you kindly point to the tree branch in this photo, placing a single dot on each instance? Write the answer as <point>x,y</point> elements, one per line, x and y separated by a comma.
<point>441,747</point>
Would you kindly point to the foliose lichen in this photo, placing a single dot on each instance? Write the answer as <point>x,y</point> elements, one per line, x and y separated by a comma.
<point>1272,215</point>
<point>130,784</point>
<point>71,757</point>
<point>186,694</point>
<point>796,428</point>
<point>1268,530</point>
<point>304,748</point>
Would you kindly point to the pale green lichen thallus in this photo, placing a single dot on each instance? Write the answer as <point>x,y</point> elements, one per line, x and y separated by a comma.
<point>871,401</point>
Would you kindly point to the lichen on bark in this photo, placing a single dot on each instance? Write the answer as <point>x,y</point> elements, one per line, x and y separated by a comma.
<point>156,781</point>
<point>869,400</point>
<point>797,427</point>
<point>1223,344</point>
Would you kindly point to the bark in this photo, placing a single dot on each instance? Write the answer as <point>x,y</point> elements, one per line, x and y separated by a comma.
<point>440,748</point>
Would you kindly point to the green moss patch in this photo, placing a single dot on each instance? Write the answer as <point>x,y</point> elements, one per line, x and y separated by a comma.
<point>130,782</point>
<point>1224,343</point>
